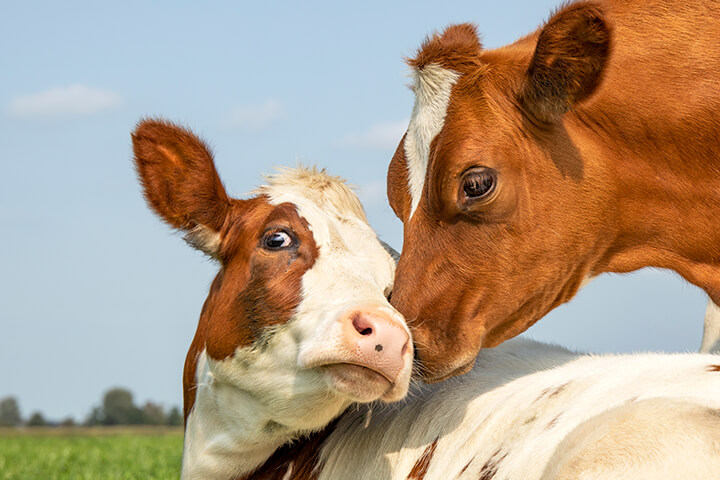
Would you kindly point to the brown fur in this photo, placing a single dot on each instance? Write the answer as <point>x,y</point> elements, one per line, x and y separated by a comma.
<point>178,176</point>
<point>490,468</point>
<point>397,182</point>
<point>458,48</point>
<point>423,463</point>
<point>603,127</point>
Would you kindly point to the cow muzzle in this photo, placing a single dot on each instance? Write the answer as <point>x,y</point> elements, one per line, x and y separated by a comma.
<point>372,358</point>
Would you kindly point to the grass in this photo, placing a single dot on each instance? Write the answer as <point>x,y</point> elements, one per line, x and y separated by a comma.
<point>90,454</point>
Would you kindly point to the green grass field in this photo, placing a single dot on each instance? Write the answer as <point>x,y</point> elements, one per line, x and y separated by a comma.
<point>90,454</point>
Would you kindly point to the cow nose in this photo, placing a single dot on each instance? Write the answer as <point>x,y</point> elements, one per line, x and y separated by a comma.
<point>380,342</point>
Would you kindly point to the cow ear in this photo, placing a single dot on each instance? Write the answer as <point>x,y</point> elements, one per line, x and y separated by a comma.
<point>569,61</point>
<point>180,183</point>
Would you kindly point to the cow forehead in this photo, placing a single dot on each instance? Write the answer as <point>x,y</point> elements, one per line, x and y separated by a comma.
<point>432,86</point>
<point>336,218</point>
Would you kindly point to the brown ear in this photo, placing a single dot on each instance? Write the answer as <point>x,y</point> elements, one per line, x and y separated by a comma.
<point>180,182</point>
<point>569,60</point>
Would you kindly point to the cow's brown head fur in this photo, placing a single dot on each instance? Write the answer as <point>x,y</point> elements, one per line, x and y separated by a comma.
<point>569,153</point>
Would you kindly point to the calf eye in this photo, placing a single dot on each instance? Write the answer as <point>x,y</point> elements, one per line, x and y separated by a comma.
<point>479,183</point>
<point>277,240</point>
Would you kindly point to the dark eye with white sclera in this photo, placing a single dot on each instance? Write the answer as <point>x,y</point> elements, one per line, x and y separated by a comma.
<point>277,240</point>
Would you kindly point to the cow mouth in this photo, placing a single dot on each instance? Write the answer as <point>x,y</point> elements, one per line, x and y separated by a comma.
<point>359,381</point>
<point>355,370</point>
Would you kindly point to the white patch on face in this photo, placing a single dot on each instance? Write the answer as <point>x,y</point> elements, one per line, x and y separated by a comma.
<point>433,85</point>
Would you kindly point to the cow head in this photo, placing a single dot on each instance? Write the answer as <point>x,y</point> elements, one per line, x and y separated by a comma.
<point>502,212</point>
<point>297,317</point>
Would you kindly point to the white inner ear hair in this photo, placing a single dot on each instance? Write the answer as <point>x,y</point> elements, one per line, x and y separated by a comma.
<point>204,239</point>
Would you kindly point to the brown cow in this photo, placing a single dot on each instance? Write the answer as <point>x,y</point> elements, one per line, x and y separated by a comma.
<point>589,146</point>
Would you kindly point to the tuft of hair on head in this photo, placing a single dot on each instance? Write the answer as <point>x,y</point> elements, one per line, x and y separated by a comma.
<point>327,191</point>
<point>458,47</point>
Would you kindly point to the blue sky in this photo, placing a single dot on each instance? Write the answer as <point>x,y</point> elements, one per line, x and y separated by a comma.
<point>95,291</point>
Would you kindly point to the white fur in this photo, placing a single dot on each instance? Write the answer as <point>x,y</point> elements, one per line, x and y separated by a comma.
<point>520,402</point>
<point>432,87</point>
<point>204,239</point>
<point>268,394</point>
<point>711,332</point>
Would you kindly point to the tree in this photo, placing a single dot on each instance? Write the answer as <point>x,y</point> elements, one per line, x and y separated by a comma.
<point>153,414</point>
<point>36,420</point>
<point>118,408</point>
<point>96,417</point>
<point>9,412</point>
<point>68,422</point>
<point>174,417</point>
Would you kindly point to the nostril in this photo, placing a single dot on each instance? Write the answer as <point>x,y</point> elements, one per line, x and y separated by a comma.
<point>362,325</point>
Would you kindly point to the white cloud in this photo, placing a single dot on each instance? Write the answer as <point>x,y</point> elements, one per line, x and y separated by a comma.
<point>256,117</point>
<point>373,193</point>
<point>73,100</point>
<point>381,136</point>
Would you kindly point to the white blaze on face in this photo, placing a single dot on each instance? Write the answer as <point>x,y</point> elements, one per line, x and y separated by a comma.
<point>433,85</point>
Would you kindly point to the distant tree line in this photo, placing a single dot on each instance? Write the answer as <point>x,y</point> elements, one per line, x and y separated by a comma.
<point>117,408</point>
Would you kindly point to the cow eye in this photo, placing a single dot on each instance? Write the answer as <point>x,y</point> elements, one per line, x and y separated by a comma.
<point>277,240</point>
<point>479,183</point>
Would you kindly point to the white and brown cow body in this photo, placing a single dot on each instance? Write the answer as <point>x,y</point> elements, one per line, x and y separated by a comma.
<point>589,146</point>
<point>528,411</point>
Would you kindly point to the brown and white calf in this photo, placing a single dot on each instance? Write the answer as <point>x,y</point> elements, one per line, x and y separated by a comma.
<point>591,145</point>
<point>289,337</point>
<point>296,326</point>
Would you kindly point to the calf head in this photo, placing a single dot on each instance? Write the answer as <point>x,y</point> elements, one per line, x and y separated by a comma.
<point>297,317</point>
<point>502,215</point>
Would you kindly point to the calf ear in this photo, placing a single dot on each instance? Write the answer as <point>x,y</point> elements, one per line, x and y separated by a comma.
<point>180,182</point>
<point>569,60</point>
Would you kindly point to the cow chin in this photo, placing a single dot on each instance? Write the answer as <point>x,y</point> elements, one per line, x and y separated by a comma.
<point>362,384</point>
<point>441,367</point>
<point>445,373</point>
<point>441,357</point>
<point>450,353</point>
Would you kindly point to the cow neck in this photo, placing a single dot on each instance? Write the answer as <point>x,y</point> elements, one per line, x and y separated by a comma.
<point>655,190</point>
<point>242,437</point>
<point>298,460</point>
